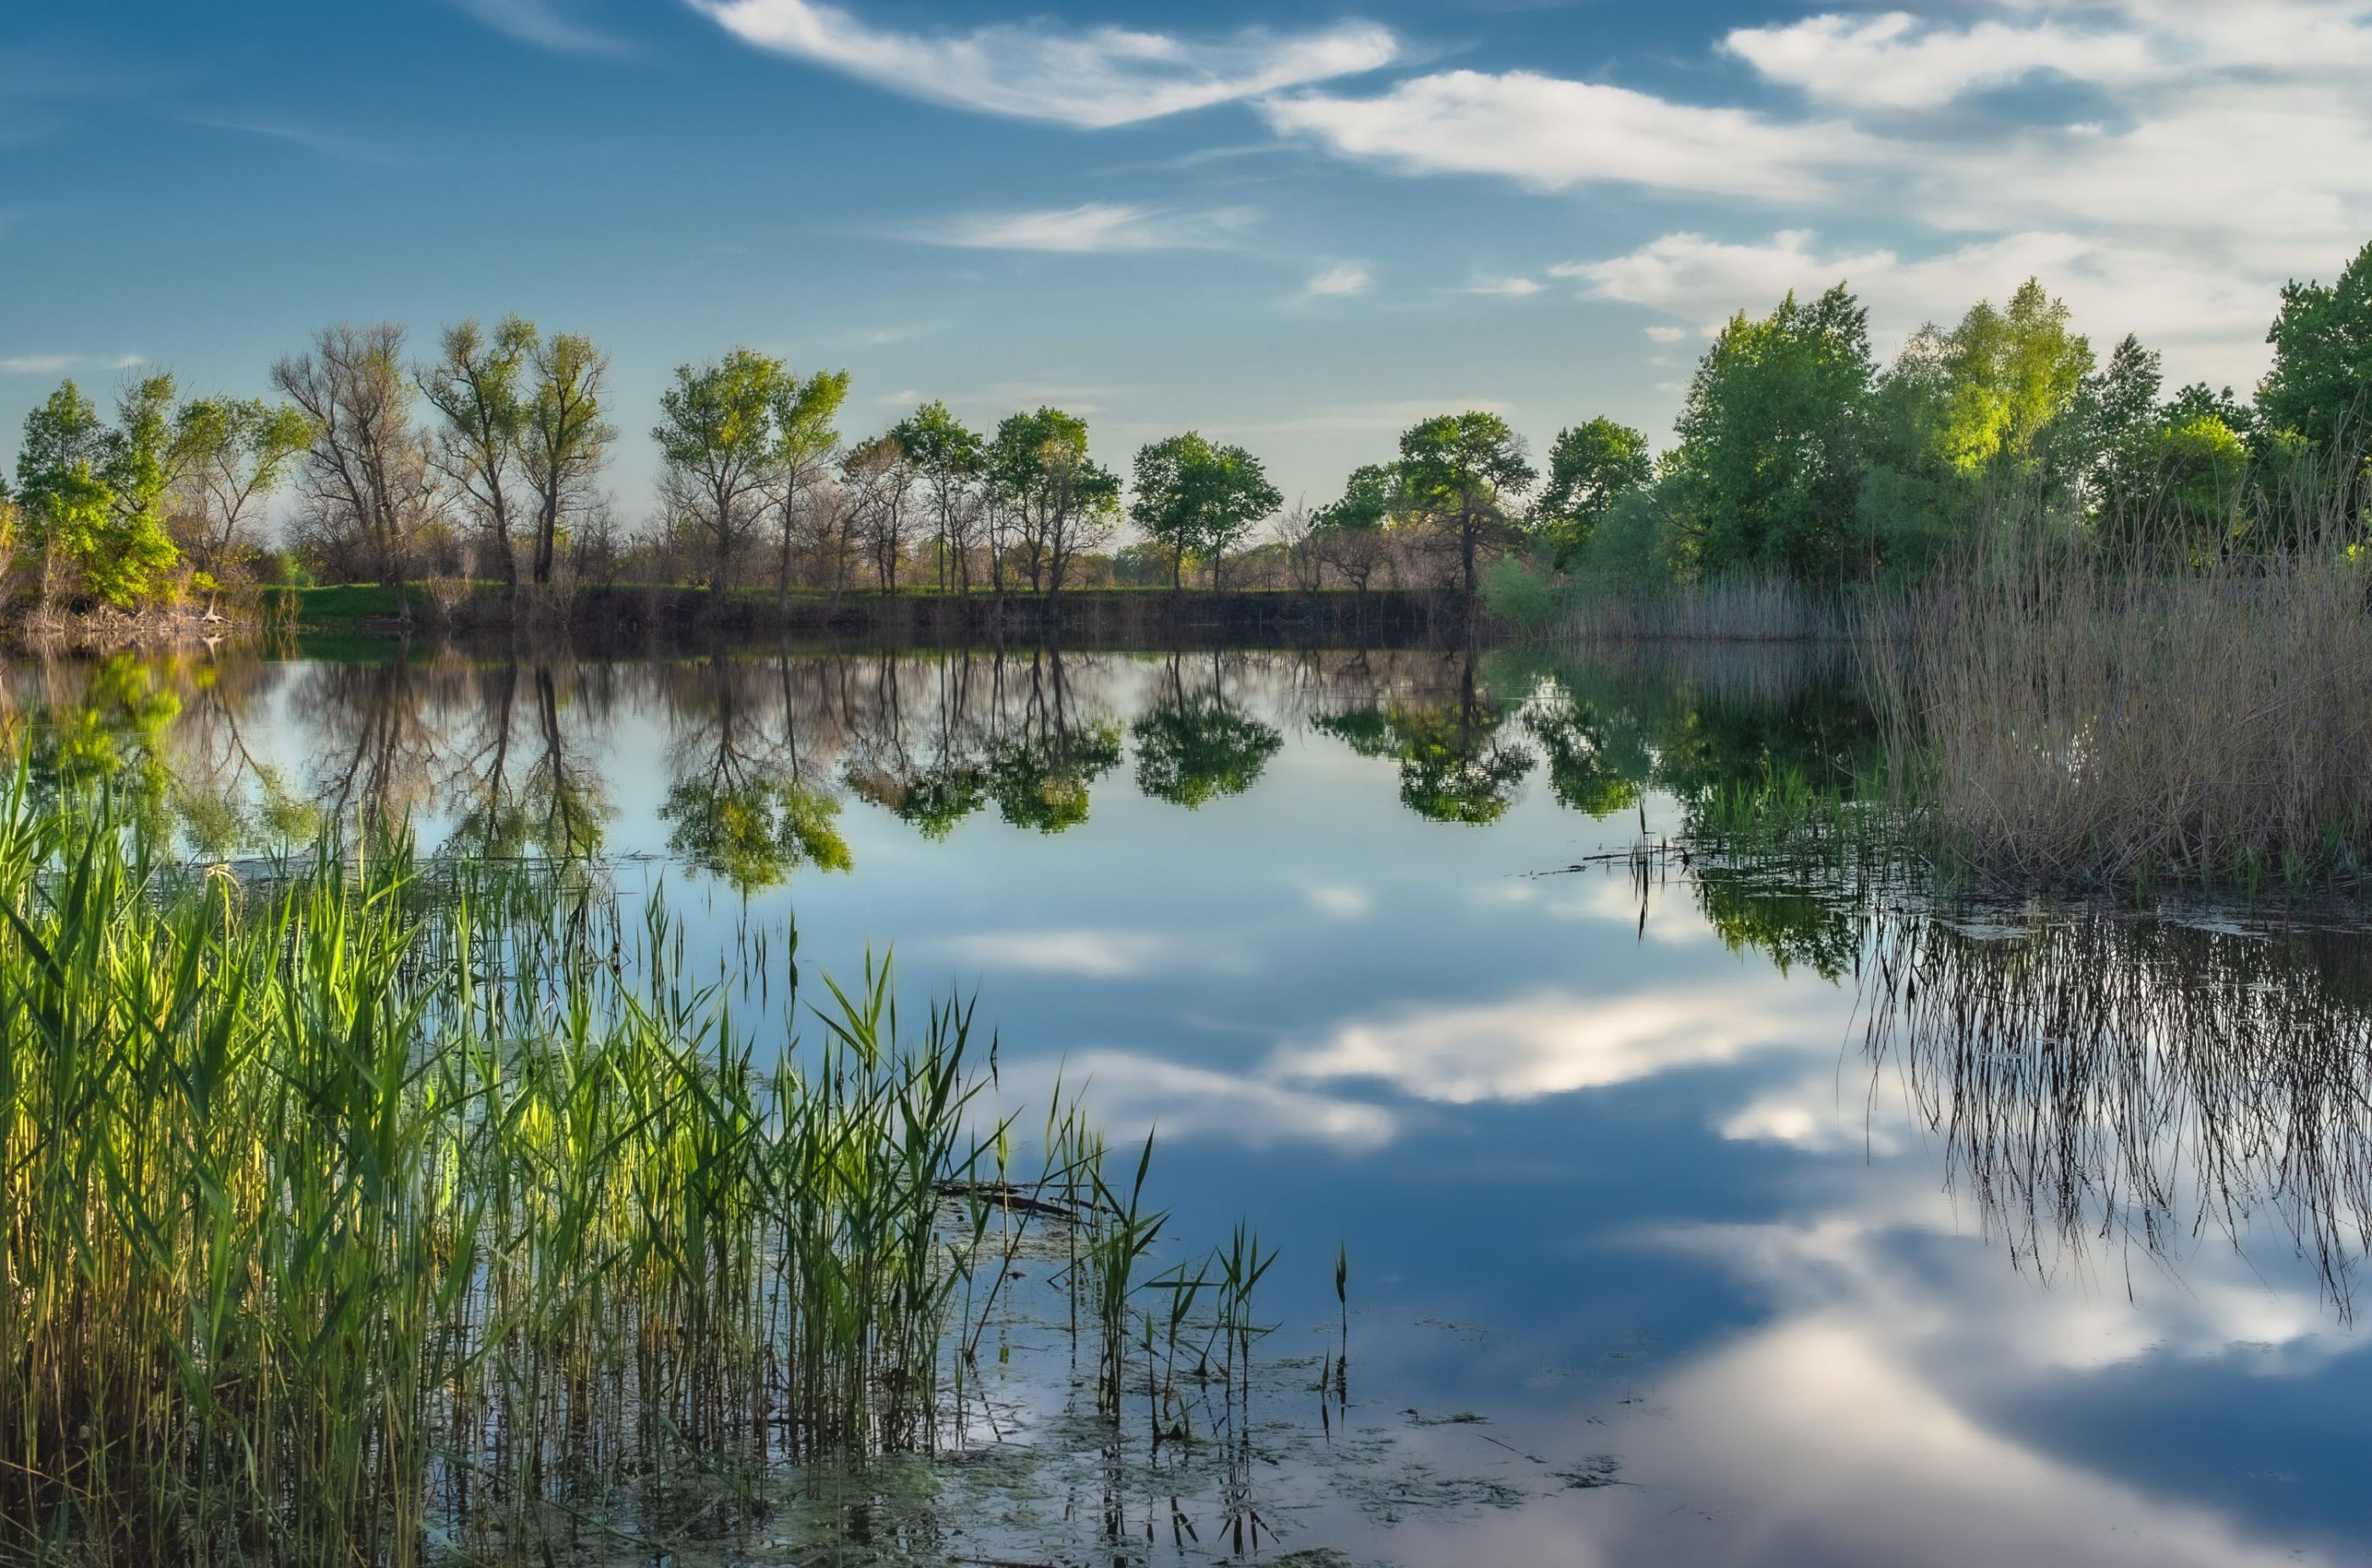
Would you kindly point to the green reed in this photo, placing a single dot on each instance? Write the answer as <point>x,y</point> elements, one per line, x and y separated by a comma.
<point>367,1210</point>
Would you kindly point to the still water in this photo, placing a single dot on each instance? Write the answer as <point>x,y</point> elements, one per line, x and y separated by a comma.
<point>1692,1211</point>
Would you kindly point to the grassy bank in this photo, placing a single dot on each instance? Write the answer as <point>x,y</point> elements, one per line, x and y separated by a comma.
<point>365,1211</point>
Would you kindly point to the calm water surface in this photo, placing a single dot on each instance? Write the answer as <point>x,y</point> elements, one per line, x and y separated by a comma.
<point>1699,1216</point>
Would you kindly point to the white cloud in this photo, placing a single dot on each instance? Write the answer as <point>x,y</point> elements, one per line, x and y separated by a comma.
<point>39,363</point>
<point>1512,288</point>
<point>1552,1043</point>
<point>541,23</point>
<point>1100,76</point>
<point>1126,1093</point>
<point>1343,904</point>
<point>1554,134</point>
<point>1667,334</point>
<point>1094,226</point>
<point>1095,954</point>
<point>1892,62</point>
<point>1345,278</point>
<point>2214,319</point>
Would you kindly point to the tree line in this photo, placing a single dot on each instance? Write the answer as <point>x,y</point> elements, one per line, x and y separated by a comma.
<point>1795,453</point>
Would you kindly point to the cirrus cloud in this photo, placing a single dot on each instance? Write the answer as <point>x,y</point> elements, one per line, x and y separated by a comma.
<point>1099,77</point>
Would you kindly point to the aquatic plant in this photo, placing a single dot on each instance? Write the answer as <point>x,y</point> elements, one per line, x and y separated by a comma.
<point>362,1210</point>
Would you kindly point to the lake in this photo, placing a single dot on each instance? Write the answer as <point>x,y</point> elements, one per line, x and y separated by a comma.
<point>1693,1206</point>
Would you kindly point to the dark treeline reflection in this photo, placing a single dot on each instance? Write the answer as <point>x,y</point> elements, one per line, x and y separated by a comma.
<point>2100,1077</point>
<point>763,751</point>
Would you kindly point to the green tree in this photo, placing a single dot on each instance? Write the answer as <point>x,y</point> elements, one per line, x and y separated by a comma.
<point>1461,473</point>
<point>2012,375</point>
<point>717,435</point>
<point>2320,388</point>
<point>1768,461</point>
<point>1348,534</point>
<point>478,384</point>
<point>1194,498</point>
<point>567,438</point>
<point>806,437</point>
<point>950,456</point>
<point>1590,467</point>
<point>1040,779</point>
<point>1064,502</point>
<point>92,497</point>
<point>229,455</point>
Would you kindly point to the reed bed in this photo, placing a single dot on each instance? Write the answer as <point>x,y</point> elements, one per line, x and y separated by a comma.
<point>352,1214</point>
<point>1732,607</point>
<point>2067,719</point>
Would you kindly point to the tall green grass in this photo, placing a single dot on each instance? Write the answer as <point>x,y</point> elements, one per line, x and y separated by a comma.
<point>373,1212</point>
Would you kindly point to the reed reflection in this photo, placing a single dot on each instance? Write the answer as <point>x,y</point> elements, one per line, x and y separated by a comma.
<point>2098,1077</point>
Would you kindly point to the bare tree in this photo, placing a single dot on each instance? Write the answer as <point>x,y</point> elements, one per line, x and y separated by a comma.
<point>881,484</point>
<point>367,473</point>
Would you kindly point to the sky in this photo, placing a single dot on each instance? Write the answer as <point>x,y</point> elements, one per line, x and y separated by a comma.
<point>1300,227</point>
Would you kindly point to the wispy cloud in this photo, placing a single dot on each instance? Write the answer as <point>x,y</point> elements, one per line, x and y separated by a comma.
<point>1094,226</point>
<point>1511,288</point>
<point>1096,76</point>
<point>1096,955</point>
<point>298,134</point>
<point>1549,133</point>
<point>1343,279</point>
<point>542,24</point>
<point>57,364</point>
<point>1667,334</point>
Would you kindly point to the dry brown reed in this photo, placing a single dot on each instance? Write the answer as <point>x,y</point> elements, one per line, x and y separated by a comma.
<point>2058,717</point>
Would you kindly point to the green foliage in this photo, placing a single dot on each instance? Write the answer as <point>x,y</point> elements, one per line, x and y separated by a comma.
<point>1194,746</point>
<point>1771,441</point>
<point>1194,498</point>
<point>1460,473</point>
<point>1455,765</point>
<point>1370,497</point>
<point>1041,781</point>
<point>753,832</point>
<point>2011,375</point>
<point>2320,384</point>
<point>1521,593</point>
<point>92,497</point>
<point>1591,467</point>
<point>229,455</point>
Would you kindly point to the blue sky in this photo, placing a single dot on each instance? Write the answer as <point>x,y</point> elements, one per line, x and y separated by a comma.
<point>1296,225</point>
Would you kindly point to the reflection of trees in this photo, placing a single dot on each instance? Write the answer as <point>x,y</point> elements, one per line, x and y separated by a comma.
<point>1193,746</point>
<point>2095,1076</point>
<point>1041,766</point>
<point>1454,765</point>
<point>741,808</point>
<point>1597,764</point>
<point>518,777</point>
<point>374,744</point>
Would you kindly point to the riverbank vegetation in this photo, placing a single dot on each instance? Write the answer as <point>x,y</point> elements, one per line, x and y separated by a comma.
<point>1798,460</point>
<point>362,1209</point>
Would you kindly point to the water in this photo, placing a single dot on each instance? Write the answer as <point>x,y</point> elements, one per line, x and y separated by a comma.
<point>1692,1213</point>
